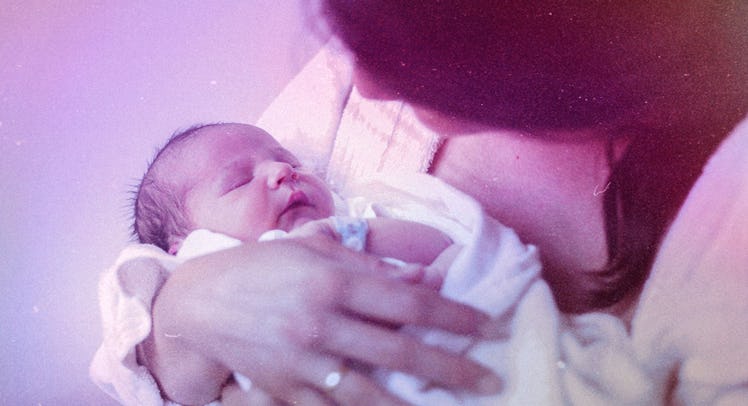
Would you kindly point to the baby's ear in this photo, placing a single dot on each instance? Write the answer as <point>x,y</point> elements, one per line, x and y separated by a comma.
<point>174,245</point>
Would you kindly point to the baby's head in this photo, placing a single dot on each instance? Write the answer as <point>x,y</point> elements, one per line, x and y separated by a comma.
<point>233,179</point>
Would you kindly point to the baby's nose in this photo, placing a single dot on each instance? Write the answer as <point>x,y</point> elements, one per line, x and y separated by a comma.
<point>280,172</point>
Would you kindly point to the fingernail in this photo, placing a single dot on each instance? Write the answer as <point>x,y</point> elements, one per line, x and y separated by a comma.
<point>408,272</point>
<point>244,383</point>
<point>433,278</point>
<point>490,385</point>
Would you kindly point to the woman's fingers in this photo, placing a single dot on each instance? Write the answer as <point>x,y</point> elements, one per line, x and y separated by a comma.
<point>308,378</point>
<point>392,349</point>
<point>233,395</point>
<point>290,376</point>
<point>275,311</point>
<point>358,389</point>
<point>353,296</point>
<point>394,302</point>
<point>343,385</point>
<point>303,395</point>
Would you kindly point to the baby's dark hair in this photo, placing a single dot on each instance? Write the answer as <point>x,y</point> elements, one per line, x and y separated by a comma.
<point>159,215</point>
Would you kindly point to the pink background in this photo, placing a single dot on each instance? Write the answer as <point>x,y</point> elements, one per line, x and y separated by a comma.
<point>88,89</point>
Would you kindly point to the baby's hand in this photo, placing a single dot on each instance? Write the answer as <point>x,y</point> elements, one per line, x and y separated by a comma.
<point>316,228</point>
<point>431,276</point>
<point>428,276</point>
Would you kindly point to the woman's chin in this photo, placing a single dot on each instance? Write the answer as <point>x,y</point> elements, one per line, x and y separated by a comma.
<point>444,125</point>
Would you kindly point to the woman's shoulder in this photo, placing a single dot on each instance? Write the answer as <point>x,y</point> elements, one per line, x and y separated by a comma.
<point>693,311</point>
<point>712,224</point>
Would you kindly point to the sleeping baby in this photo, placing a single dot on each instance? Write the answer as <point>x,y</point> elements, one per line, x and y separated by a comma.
<point>215,186</point>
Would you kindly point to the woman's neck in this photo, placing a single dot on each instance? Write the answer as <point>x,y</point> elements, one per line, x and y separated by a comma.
<point>551,193</point>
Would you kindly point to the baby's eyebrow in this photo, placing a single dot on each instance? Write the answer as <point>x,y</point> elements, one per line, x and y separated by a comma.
<point>285,155</point>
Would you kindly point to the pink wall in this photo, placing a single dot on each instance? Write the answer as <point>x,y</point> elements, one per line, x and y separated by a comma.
<point>87,91</point>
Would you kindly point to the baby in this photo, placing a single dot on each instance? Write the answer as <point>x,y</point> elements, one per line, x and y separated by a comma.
<point>214,186</point>
<point>236,180</point>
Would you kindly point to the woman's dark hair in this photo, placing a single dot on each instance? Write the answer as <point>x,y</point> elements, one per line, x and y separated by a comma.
<point>670,76</point>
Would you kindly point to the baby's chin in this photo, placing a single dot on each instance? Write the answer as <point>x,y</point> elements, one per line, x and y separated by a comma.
<point>300,216</point>
<point>301,221</point>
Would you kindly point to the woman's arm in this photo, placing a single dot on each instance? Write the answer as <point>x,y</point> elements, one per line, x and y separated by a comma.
<point>184,376</point>
<point>286,313</point>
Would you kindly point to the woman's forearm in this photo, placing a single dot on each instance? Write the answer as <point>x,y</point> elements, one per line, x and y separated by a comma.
<point>183,375</point>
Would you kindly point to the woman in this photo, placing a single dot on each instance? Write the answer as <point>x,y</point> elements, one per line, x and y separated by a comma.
<point>634,78</point>
<point>593,123</point>
<point>588,127</point>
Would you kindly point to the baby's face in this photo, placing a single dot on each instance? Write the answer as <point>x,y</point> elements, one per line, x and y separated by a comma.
<point>244,183</point>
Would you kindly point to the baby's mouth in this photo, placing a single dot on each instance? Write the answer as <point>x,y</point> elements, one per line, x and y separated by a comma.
<point>297,199</point>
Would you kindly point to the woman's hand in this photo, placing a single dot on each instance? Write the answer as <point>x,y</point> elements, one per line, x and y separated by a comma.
<point>287,313</point>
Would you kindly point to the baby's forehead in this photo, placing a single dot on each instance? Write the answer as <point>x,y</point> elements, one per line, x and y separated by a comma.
<point>224,147</point>
<point>223,134</point>
<point>218,146</point>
